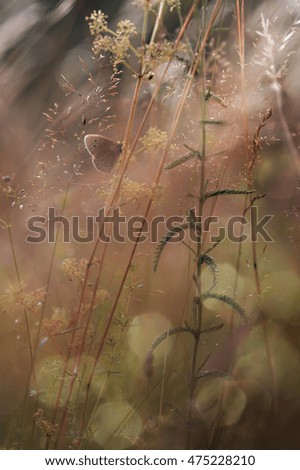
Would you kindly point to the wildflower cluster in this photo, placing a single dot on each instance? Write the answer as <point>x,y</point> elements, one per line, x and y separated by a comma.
<point>157,53</point>
<point>153,4</point>
<point>97,22</point>
<point>46,428</point>
<point>154,138</point>
<point>116,43</point>
<point>56,323</point>
<point>74,268</point>
<point>31,301</point>
<point>129,189</point>
<point>16,296</point>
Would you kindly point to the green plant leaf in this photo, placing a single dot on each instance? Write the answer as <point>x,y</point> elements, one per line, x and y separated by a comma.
<point>172,331</point>
<point>226,192</point>
<point>227,300</point>
<point>211,264</point>
<point>195,152</point>
<point>212,328</point>
<point>169,235</point>
<point>179,161</point>
<point>212,121</point>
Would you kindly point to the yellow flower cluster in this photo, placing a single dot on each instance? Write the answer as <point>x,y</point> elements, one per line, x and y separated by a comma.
<point>97,22</point>
<point>154,138</point>
<point>129,189</point>
<point>74,268</point>
<point>156,53</point>
<point>56,323</point>
<point>117,43</point>
<point>32,301</point>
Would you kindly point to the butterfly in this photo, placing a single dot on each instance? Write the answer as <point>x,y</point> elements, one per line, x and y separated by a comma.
<point>104,152</point>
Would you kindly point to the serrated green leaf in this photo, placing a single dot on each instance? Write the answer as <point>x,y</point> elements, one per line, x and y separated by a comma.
<point>194,151</point>
<point>211,264</point>
<point>227,300</point>
<point>212,328</point>
<point>180,161</point>
<point>170,332</point>
<point>226,192</point>
<point>169,235</point>
<point>212,121</point>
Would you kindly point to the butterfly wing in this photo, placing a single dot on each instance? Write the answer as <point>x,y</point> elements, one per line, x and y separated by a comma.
<point>104,152</point>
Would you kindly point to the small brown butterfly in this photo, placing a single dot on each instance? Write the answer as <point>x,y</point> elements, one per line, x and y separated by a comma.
<point>104,152</point>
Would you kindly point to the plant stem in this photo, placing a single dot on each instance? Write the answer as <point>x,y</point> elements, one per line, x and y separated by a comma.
<point>12,245</point>
<point>199,248</point>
